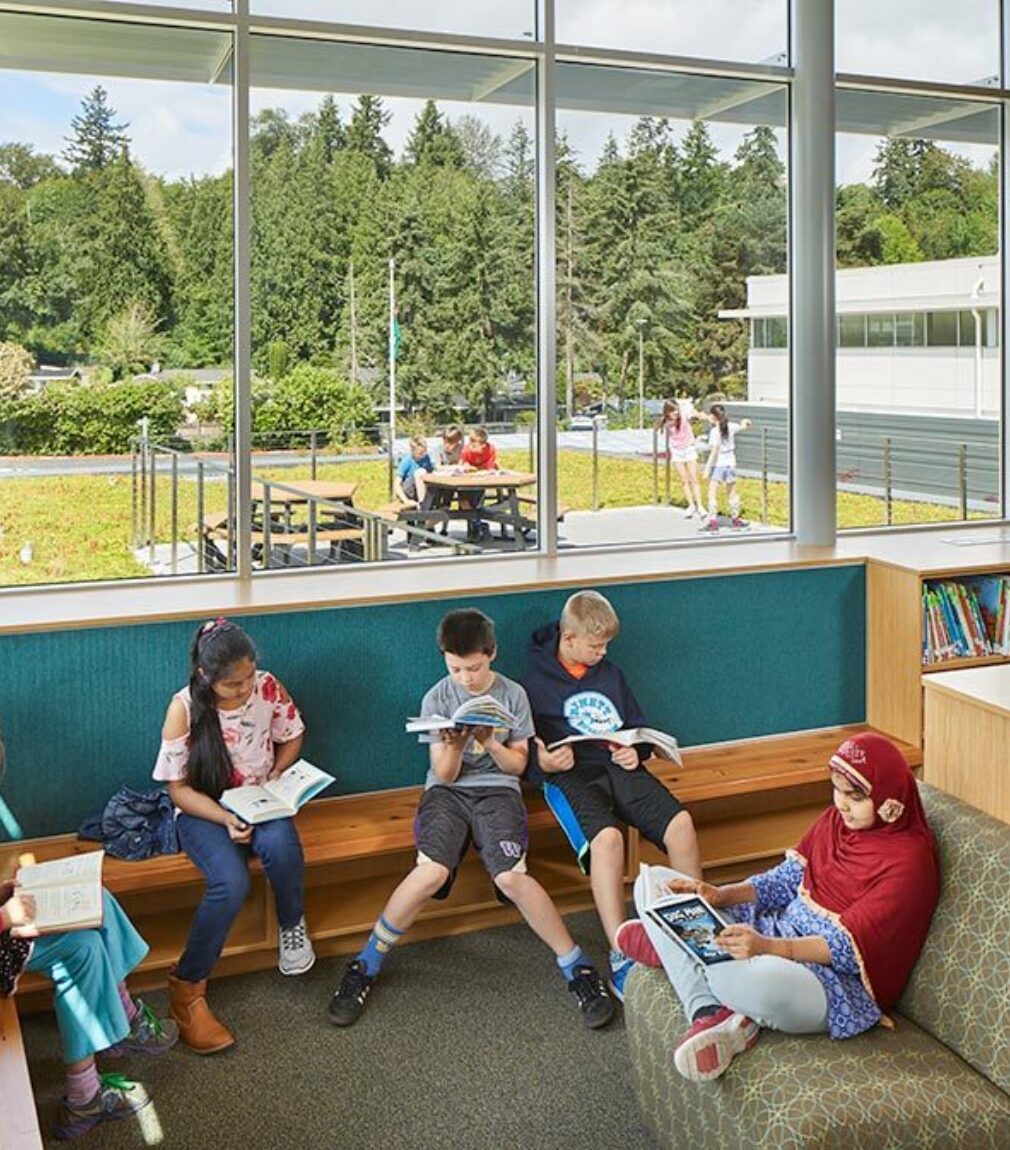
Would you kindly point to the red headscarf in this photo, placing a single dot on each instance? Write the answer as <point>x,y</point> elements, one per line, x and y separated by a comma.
<point>880,884</point>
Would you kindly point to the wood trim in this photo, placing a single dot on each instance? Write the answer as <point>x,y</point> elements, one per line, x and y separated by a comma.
<point>19,1122</point>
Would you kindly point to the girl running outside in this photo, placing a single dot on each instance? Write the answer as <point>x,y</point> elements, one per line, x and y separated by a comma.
<point>825,941</point>
<point>679,433</point>
<point>720,467</point>
<point>233,725</point>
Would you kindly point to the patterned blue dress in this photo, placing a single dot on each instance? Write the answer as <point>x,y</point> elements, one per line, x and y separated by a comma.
<point>780,912</point>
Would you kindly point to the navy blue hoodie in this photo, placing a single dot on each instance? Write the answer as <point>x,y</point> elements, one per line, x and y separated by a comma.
<point>562,705</point>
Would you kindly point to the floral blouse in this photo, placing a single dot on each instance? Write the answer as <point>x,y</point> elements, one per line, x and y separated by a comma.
<point>269,716</point>
<point>781,912</point>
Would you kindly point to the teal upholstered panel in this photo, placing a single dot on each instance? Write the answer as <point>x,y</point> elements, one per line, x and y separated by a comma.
<point>716,658</point>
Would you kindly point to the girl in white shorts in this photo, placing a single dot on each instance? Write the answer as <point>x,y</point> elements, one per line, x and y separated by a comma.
<point>676,426</point>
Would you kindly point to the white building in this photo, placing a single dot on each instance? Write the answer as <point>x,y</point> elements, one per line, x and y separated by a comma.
<point>912,338</point>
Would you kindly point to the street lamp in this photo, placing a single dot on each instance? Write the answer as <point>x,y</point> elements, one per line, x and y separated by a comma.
<point>641,371</point>
<point>976,299</point>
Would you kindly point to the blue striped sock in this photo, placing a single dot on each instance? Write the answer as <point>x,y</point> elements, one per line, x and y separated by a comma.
<point>568,962</point>
<point>381,941</point>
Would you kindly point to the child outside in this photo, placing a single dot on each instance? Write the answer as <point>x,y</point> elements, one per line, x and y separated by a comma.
<point>480,454</point>
<point>720,466</point>
<point>829,936</point>
<point>95,1012</point>
<point>592,787</point>
<point>472,792</point>
<point>232,726</point>
<point>409,485</point>
<point>675,425</point>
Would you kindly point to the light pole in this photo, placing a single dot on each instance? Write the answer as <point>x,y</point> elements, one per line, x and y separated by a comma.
<point>641,372</point>
<point>976,298</point>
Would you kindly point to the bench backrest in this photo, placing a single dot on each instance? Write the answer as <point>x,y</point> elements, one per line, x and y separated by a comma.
<point>959,988</point>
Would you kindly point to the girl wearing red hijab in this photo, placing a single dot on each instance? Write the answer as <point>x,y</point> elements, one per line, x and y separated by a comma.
<point>824,942</point>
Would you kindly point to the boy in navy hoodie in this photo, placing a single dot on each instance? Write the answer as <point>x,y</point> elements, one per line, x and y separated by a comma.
<point>593,787</point>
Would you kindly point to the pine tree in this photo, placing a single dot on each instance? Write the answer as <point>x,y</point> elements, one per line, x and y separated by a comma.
<point>433,140</point>
<point>97,138</point>
<point>364,133</point>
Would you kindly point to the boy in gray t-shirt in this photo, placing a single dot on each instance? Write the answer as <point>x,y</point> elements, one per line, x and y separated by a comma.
<point>472,793</point>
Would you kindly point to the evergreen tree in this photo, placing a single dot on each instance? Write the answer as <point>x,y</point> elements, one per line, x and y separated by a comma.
<point>433,140</point>
<point>364,133</point>
<point>329,134</point>
<point>97,139</point>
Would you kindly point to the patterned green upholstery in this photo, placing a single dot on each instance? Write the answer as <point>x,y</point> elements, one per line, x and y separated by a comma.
<point>885,1090</point>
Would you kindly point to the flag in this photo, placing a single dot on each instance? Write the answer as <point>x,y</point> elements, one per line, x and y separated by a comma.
<point>395,337</point>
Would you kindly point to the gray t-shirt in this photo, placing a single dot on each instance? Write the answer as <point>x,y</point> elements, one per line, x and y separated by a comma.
<point>478,769</point>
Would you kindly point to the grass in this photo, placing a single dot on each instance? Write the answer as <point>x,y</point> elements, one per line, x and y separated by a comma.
<point>80,526</point>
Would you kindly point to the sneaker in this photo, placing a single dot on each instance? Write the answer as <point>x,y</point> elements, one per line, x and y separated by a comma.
<point>294,949</point>
<point>149,1034</point>
<point>708,1048</point>
<point>117,1097</point>
<point>738,523</point>
<point>620,967</point>
<point>712,525</point>
<point>633,941</point>
<point>690,512</point>
<point>348,999</point>
<point>596,1005</point>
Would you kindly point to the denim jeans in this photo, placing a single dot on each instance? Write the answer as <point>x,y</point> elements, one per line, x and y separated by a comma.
<point>225,865</point>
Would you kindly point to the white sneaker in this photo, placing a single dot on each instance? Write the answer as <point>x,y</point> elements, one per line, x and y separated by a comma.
<point>294,949</point>
<point>689,513</point>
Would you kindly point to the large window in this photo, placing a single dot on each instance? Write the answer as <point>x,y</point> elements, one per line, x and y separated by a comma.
<point>115,299</point>
<point>512,19</point>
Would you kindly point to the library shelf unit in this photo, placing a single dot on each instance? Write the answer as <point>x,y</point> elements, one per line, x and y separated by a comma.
<point>894,627</point>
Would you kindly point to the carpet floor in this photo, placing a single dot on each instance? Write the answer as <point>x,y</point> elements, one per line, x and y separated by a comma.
<point>467,1043</point>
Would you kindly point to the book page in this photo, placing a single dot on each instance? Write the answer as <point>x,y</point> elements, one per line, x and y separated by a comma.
<point>295,782</point>
<point>56,872</point>
<point>67,906</point>
<point>255,804</point>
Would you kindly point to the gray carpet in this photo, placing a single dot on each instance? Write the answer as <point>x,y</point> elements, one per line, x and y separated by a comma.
<point>466,1043</point>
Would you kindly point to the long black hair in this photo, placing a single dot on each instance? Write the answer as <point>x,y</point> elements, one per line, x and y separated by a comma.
<point>719,413</point>
<point>215,649</point>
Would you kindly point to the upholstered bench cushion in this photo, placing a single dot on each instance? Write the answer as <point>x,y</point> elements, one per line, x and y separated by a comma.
<point>885,1090</point>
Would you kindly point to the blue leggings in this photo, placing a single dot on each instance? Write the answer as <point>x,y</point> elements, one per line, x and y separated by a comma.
<point>225,865</point>
<point>86,967</point>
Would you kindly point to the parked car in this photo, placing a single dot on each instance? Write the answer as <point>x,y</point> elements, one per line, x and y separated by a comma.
<point>584,421</point>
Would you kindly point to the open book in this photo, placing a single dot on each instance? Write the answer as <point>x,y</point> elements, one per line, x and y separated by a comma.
<point>280,798</point>
<point>67,891</point>
<point>665,746</point>
<point>480,711</point>
<point>689,920</point>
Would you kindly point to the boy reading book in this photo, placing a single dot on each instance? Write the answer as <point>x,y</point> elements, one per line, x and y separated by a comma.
<point>472,794</point>
<point>593,786</point>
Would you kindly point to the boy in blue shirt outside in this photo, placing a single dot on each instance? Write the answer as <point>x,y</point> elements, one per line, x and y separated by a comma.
<point>593,787</point>
<point>409,482</point>
<point>472,792</point>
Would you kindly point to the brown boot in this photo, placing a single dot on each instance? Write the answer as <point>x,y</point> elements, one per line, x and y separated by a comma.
<point>198,1027</point>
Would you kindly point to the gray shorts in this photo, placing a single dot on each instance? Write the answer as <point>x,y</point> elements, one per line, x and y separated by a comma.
<point>492,818</point>
<point>724,474</point>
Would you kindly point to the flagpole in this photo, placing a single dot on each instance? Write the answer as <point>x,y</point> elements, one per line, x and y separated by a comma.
<point>392,369</point>
<point>354,332</point>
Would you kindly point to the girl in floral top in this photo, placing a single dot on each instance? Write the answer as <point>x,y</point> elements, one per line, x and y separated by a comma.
<point>232,726</point>
<point>827,939</point>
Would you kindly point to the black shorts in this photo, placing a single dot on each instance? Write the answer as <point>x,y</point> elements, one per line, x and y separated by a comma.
<point>593,796</point>
<point>493,818</point>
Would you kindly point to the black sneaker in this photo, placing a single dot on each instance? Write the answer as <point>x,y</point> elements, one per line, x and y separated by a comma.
<point>348,999</point>
<point>595,1003</point>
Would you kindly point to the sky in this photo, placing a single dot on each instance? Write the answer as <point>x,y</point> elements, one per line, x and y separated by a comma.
<point>182,129</point>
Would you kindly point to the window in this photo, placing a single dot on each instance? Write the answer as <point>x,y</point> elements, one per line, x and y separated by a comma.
<point>513,19</point>
<point>941,329</point>
<point>115,298</point>
<point>910,329</point>
<point>852,330</point>
<point>880,331</point>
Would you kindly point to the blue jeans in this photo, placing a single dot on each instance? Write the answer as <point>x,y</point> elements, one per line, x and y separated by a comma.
<point>86,967</point>
<point>225,865</point>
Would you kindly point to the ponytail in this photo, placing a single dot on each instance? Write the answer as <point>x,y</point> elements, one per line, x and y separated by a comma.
<point>719,413</point>
<point>216,647</point>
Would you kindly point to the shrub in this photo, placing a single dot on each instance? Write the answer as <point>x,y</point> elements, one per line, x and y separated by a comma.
<point>313,398</point>
<point>16,365</point>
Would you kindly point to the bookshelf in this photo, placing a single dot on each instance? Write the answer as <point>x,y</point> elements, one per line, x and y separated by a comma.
<point>894,622</point>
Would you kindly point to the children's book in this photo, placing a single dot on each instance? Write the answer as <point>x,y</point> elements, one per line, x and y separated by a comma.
<point>689,920</point>
<point>664,745</point>
<point>67,891</point>
<point>480,711</point>
<point>280,798</point>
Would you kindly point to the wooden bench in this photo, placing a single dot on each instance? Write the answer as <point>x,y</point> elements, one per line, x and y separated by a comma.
<point>19,1123</point>
<point>215,531</point>
<point>750,801</point>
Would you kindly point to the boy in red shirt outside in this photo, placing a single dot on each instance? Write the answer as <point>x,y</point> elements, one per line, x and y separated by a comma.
<point>479,454</point>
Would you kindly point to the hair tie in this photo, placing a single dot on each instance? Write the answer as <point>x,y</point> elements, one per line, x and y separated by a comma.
<point>212,627</point>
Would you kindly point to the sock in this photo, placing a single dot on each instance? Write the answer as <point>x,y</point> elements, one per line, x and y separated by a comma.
<point>82,1085</point>
<point>734,508</point>
<point>381,941</point>
<point>617,958</point>
<point>128,1003</point>
<point>705,1011</point>
<point>568,962</point>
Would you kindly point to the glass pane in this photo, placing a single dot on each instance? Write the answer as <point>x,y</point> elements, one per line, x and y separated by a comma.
<point>746,30</point>
<point>852,330</point>
<point>115,299</point>
<point>918,250</point>
<point>665,217</point>
<point>392,298</point>
<point>514,19</point>
<point>202,5</point>
<point>958,43</point>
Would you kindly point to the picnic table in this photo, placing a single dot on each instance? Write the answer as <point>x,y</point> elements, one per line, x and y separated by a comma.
<point>301,491</point>
<point>491,496</point>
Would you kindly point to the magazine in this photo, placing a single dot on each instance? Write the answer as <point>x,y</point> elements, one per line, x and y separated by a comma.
<point>688,919</point>
<point>480,711</point>
<point>280,798</point>
<point>67,891</point>
<point>664,745</point>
